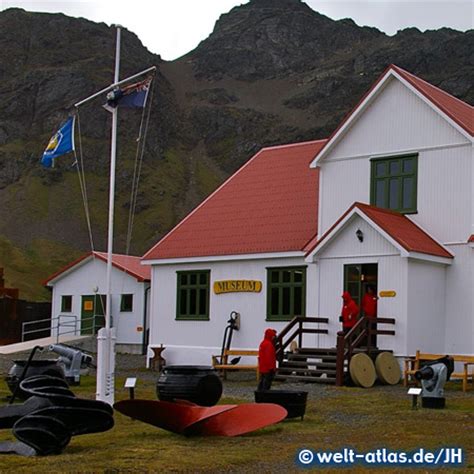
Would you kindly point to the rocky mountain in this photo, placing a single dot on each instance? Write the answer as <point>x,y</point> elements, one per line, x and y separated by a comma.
<point>272,71</point>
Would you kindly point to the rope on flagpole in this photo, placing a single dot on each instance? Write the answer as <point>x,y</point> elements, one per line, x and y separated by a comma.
<point>138,169</point>
<point>82,181</point>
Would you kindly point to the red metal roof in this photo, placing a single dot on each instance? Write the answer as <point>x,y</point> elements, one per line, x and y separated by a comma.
<point>126,263</point>
<point>402,229</point>
<point>398,226</point>
<point>461,112</point>
<point>268,205</point>
<point>129,264</point>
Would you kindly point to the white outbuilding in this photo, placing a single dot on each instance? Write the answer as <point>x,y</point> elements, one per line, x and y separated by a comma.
<point>78,299</point>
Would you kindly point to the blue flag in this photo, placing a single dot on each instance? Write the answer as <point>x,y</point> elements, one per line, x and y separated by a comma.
<point>62,142</point>
<point>133,96</point>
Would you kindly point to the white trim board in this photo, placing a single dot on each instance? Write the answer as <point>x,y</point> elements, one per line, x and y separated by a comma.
<point>223,258</point>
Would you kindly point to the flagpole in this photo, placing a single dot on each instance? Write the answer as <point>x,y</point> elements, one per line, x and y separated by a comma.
<point>106,339</point>
<point>114,85</point>
<point>113,159</point>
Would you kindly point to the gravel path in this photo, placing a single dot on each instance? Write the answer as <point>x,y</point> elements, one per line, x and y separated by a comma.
<point>239,385</point>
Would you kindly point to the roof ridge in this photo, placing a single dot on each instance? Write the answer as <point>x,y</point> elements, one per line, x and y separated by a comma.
<point>376,208</point>
<point>115,254</point>
<point>378,221</point>
<point>411,75</point>
<point>435,240</point>
<point>120,265</point>
<point>403,216</point>
<point>290,145</point>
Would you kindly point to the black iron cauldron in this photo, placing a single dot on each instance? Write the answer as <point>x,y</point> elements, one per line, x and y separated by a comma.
<point>195,383</point>
<point>293,401</point>
<point>50,367</point>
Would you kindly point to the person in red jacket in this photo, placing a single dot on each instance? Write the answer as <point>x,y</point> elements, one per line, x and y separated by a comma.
<point>369,308</point>
<point>349,312</point>
<point>267,360</point>
<point>369,303</point>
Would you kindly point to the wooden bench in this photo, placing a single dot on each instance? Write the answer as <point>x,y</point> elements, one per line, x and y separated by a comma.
<point>412,364</point>
<point>221,362</point>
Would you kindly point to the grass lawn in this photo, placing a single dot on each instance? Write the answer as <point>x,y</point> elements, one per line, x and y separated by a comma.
<point>362,419</point>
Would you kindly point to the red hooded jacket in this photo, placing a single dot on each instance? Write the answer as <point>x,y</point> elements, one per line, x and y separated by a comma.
<point>350,311</point>
<point>369,305</point>
<point>267,353</point>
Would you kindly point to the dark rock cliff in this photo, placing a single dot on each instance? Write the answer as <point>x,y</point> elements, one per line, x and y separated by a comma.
<point>273,71</point>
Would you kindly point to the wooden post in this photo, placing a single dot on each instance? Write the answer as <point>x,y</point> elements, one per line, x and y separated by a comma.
<point>300,334</point>
<point>368,334</point>
<point>340,359</point>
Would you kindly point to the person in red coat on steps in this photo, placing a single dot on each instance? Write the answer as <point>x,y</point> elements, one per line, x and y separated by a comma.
<point>349,312</point>
<point>267,360</point>
<point>369,303</point>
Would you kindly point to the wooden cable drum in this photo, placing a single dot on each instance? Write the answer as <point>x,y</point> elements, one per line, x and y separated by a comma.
<point>388,368</point>
<point>362,370</point>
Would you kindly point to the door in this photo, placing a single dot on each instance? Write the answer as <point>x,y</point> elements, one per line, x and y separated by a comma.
<point>358,277</point>
<point>92,314</point>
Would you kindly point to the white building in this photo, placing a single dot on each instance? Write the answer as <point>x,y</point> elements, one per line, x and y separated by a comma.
<point>78,300</point>
<point>387,200</point>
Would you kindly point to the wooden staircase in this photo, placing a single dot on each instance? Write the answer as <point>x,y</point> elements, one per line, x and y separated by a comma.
<point>309,365</point>
<point>324,365</point>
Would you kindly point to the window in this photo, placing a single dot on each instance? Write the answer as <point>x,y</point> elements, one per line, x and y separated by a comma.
<point>66,303</point>
<point>193,295</point>
<point>393,183</point>
<point>286,293</point>
<point>126,303</point>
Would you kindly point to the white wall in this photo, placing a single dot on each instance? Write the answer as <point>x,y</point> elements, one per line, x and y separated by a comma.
<point>426,307</point>
<point>346,242</point>
<point>392,275</point>
<point>459,322</point>
<point>194,342</point>
<point>399,122</point>
<point>396,120</point>
<point>90,276</point>
<point>444,186</point>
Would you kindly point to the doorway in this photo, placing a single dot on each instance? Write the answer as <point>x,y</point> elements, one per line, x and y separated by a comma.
<point>357,278</point>
<point>92,314</point>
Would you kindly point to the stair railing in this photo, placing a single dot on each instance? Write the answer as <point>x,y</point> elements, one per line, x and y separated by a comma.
<point>295,329</point>
<point>49,327</point>
<point>362,331</point>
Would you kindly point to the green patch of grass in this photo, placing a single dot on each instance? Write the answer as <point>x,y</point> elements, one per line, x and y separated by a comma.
<point>27,268</point>
<point>206,178</point>
<point>363,419</point>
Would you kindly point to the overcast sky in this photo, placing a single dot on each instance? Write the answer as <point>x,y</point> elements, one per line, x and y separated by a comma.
<point>172,28</point>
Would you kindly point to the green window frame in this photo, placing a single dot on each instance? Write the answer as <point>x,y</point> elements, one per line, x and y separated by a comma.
<point>193,293</point>
<point>393,183</point>
<point>126,303</point>
<point>66,303</point>
<point>286,293</point>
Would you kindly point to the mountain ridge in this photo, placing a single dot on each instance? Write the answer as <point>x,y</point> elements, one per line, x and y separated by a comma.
<point>256,81</point>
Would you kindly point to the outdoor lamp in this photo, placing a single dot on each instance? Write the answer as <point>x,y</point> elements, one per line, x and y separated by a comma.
<point>360,235</point>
